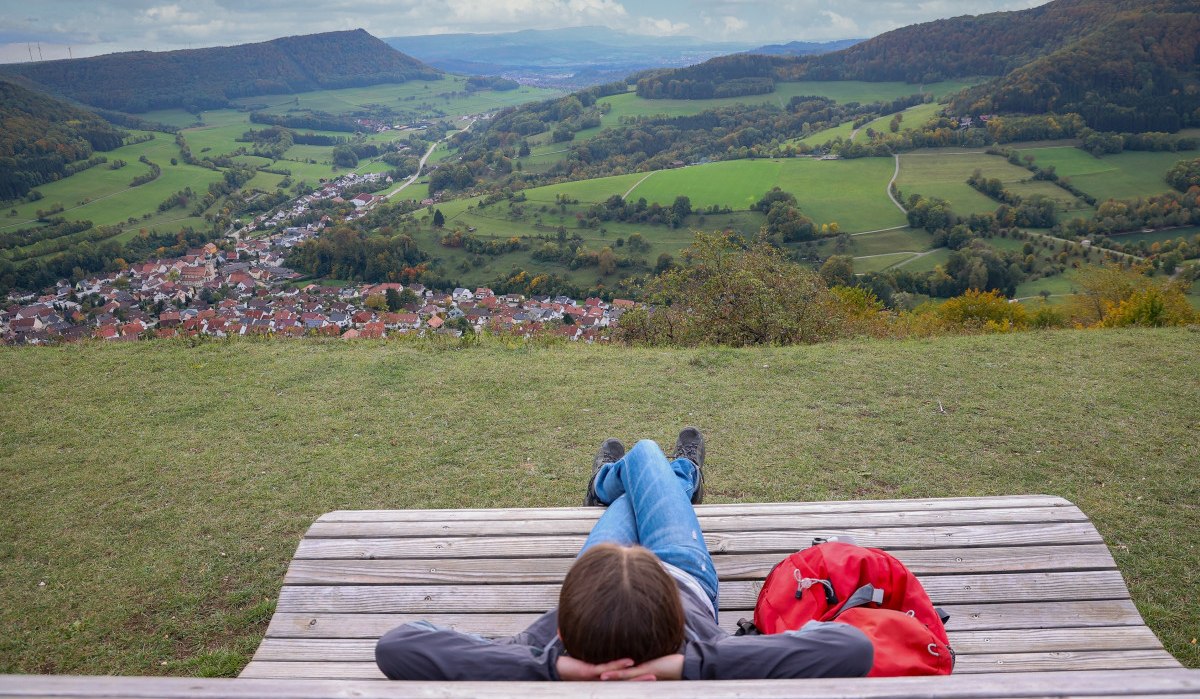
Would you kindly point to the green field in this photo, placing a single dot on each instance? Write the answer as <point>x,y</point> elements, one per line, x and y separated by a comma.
<point>1187,233</point>
<point>914,117</point>
<point>103,195</point>
<point>842,91</point>
<point>162,534</point>
<point>1121,176</point>
<point>417,95</point>
<point>850,192</point>
<point>943,173</point>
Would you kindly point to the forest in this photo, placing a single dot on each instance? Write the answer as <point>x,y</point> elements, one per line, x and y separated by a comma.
<point>41,137</point>
<point>196,79</point>
<point>1043,60</point>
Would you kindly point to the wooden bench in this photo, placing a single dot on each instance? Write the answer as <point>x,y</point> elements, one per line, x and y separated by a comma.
<point>1028,581</point>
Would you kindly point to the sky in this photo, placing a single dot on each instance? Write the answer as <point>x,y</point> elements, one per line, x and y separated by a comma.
<point>78,28</point>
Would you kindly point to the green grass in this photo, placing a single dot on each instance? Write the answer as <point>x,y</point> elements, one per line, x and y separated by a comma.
<point>914,117</point>
<point>1187,233</point>
<point>161,503</point>
<point>428,96</point>
<point>943,173</point>
<point>843,91</point>
<point>1121,176</point>
<point>103,195</point>
<point>850,192</point>
<point>928,261</point>
<point>878,263</point>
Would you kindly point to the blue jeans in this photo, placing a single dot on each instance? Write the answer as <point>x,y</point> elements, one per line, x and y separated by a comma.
<point>650,504</point>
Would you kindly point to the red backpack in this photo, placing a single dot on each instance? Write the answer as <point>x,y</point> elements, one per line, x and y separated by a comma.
<point>866,588</point>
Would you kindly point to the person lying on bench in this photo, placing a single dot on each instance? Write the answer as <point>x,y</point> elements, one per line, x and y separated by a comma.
<point>639,603</point>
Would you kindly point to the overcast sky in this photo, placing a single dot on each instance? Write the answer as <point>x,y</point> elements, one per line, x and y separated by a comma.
<point>91,27</point>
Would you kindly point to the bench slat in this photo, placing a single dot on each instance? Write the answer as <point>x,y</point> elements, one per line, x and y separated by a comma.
<point>749,508</point>
<point>568,546</point>
<point>1081,660</point>
<point>965,643</point>
<point>985,617</point>
<point>729,567</point>
<point>585,518</point>
<point>411,599</point>
<point>1066,685</point>
<point>967,664</point>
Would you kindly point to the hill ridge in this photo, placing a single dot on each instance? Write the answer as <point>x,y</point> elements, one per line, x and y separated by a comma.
<point>207,78</point>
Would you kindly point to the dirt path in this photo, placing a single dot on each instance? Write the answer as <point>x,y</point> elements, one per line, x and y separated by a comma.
<point>879,230</point>
<point>892,182</point>
<point>636,184</point>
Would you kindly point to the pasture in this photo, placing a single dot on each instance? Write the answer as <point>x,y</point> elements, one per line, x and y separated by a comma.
<point>943,173</point>
<point>1121,176</point>
<point>852,193</point>
<point>841,91</point>
<point>446,97</point>
<point>103,195</point>
<point>913,117</point>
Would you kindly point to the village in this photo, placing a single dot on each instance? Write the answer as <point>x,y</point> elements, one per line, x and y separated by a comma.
<point>243,288</point>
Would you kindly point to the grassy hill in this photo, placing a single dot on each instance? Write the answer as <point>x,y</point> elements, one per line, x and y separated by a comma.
<point>154,492</point>
<point>139,81</point>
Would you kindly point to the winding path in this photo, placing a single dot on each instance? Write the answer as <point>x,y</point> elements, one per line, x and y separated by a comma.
<point>892,182</point>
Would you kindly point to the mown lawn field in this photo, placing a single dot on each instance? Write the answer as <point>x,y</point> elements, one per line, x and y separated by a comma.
<point>943,173</point>
<point>155,492</point>
<point>1121,176</point>
<point>851,192</point>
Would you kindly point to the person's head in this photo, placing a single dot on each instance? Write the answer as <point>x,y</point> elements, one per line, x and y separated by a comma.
<point>619,602</point>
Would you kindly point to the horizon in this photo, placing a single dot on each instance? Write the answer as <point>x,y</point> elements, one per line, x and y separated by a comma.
<point>78,29</point>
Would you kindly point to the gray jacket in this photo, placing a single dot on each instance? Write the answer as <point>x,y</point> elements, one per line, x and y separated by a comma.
<point>422,651</point>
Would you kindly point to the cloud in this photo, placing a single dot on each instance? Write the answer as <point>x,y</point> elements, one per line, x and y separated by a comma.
<point>655,26</point>
<point>96,26</point>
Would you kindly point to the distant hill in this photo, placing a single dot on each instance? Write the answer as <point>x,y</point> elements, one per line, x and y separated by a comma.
<point>804,48</point>
<point>1091,56</point>
<point>571,57</point>
<point>40,137</point>
<point>140,81</point>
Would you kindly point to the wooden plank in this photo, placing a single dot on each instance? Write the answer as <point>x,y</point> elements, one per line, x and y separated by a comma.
<point>729,567</point>
<point>1065,660</point>
<point>963,618</point>
<point>967,664</point>
<point>303,671</point>
<point>742,521</point>
<point>749,508</point>
<point>1027,641</point>
<point>1053,640</point>
<point>735,595</point>
<point>568,546</point>
<point>1079,685</point>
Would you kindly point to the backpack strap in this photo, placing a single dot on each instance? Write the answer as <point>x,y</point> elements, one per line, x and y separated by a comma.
<point>867,594</point>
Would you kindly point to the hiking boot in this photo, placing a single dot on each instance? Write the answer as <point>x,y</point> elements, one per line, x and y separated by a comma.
<point>611,451</point>
<point>690,446</point>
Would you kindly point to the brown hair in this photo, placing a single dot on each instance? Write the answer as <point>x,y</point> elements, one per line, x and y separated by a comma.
<point>619,602</point>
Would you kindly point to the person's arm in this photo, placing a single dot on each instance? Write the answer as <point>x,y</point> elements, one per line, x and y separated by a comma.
<point>421,651</point>
<point>817,650</point>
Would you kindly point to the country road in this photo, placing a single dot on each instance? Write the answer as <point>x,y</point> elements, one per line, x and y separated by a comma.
<point>421,165</point>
